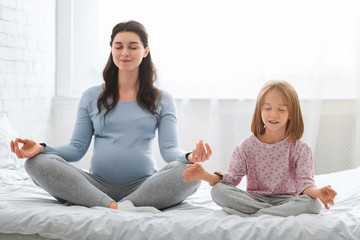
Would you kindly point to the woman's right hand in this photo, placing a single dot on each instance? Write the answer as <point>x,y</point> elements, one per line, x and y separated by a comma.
<point>29,149</point>
<point>201,153</point>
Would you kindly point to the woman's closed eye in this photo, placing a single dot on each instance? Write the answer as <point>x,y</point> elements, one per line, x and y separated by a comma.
<point>132,48</point>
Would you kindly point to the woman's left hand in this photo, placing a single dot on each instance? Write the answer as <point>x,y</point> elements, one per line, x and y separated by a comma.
<point>201,153</point>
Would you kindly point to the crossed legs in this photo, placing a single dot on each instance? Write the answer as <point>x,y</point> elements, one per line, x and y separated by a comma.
<point>70,184</point>
<point>231,198</point>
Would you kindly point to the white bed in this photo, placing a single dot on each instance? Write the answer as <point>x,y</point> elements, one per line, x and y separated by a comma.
<point>28,212</point>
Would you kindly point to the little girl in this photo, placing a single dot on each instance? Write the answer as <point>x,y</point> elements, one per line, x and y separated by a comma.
<point>278,165</point>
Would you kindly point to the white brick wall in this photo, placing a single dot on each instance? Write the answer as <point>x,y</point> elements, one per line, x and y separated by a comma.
<point>27,65</point>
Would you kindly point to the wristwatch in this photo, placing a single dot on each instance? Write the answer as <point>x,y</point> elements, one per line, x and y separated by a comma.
<point>43,144</point>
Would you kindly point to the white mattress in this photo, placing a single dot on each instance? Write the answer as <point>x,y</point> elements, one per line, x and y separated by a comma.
<point>28,212</point>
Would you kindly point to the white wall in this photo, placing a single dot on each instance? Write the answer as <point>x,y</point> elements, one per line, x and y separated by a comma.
<point>27,65</point>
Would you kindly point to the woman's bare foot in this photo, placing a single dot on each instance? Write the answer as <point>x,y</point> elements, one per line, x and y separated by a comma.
<point>113,205</point>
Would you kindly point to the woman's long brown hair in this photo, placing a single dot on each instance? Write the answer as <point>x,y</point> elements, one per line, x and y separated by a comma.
<point>148,96</point>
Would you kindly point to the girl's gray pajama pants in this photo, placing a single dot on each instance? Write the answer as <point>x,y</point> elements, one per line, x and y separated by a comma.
<point>247,204</point>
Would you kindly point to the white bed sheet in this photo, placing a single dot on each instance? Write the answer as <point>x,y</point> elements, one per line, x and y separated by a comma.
<point>28,212</point>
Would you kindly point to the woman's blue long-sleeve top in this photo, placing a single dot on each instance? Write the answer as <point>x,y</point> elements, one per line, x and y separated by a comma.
<point>123,145</point>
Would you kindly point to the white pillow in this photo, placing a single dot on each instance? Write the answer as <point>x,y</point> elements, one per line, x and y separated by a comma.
<point>8,159</point>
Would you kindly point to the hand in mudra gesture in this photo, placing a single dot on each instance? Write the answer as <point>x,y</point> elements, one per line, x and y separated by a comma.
<point>327,195</point>
<point>29,148</point>
<point>201,153</point>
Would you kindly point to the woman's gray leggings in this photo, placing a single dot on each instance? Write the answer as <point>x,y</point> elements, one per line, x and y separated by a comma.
<point>67,183</point>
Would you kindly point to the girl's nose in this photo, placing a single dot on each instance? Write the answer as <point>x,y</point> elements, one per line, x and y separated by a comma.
<point>273,114</point>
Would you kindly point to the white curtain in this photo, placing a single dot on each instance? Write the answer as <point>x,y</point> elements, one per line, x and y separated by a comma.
<point>228,49</point>
<point>214,56</point>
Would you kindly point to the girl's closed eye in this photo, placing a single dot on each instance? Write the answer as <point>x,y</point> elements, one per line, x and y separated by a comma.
<point>267,108</point>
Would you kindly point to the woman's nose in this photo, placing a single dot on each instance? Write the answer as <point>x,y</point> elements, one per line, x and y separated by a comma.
<point>125,53</point>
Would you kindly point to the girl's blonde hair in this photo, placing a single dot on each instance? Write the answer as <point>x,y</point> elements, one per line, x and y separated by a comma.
<point>295,125</point>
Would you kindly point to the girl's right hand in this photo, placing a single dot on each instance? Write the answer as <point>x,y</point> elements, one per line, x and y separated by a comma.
<point>29,149</point>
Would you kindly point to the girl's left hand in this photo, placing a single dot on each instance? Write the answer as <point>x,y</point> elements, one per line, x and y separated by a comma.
<point>201,153</point>
<point>327,195</point>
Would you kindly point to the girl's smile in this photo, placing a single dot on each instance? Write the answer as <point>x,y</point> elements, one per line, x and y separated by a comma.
<point>273,122</point>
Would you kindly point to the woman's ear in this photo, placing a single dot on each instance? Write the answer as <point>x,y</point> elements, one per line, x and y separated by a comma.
<point>147,50</point>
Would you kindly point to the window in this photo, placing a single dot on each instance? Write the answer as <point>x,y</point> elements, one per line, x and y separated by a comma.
<point>228,49</point>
